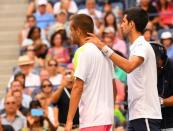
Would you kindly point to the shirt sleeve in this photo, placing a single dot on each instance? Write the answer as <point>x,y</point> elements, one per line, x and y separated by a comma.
<point>140,50</point>
<point>82,66</point>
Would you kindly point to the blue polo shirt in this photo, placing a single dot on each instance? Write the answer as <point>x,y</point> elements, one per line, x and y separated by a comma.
<point>44,20</point>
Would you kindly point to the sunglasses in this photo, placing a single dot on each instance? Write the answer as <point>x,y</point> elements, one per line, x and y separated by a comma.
<point>51,65</point>
<point>49,85</point>
<point>12,103</point>
<point>30,49</point>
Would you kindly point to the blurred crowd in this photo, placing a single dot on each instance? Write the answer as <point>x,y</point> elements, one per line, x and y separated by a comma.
<point>38,92</point>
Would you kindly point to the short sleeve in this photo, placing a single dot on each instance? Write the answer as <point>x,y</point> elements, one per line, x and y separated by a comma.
<point>140,50</point>
<point>82,67</point>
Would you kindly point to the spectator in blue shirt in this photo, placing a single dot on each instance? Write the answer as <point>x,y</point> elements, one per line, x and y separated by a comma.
<point>43,18</point>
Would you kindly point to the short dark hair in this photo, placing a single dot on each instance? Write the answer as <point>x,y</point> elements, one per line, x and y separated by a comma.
<point>83,22</point>
<point>138,16</point>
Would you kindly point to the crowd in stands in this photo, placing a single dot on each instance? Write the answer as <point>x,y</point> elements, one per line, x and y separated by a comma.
<point>38,91</point>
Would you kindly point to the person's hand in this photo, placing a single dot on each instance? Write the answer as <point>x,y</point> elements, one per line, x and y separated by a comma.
<point>68,126</point>
<point>95,40</point>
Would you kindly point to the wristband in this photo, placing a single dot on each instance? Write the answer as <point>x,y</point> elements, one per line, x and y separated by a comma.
<point>107,51</point>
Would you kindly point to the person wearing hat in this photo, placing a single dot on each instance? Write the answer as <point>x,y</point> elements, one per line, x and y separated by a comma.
<point>43,18</point>
<point>26,66</point>
<point>167,40</point>
<point>60,22</point>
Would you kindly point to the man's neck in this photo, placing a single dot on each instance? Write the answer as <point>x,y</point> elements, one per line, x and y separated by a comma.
<point>82,40</point>
<point>11,117</point>
<point>133,36</point>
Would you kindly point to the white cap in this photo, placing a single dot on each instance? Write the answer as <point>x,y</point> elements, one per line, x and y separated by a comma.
<point>166,35</point>
<point>42,2</point>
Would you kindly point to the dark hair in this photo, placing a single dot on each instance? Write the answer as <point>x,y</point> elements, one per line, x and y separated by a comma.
<point>19,74</point>
<point>159,5</point>
<point>138,16</point>
<point>30,33</point>
<point>63,35</point>
<point>83,22</point>
<point>34,104</point>
<point>114,24</point>
<point>30,16</point>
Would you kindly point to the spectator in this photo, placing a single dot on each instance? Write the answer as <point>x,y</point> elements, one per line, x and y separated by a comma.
<point>36,119</point>
<point>18,86</point>
<point>165,86</point>
<point>109,21</point>
<point>61,98</point>
<point>148,35</point>
<point>43,18</point>
<point>32,7</point>
<point>165,9</point>
<point>68,5</point>
<point>44,98</point>
<point>60,23</point>
<point>18,95</point>
<point>167,41</point>
<point>33,36</point>
<point>151,10</point>
<point>30,22</point>
<point>26,65</point>
<point>55,76</point>
<point>90,9</point>
<point>11,117</point>
<point>38,62</point>
<point>117,43</point>
<point>5,127</point>
<point>58,52</point>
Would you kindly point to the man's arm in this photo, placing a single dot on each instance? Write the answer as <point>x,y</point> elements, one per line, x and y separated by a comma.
<point>168,101</point>
<point>114,89</point>
<point>127,65</point>
<point>74,101</point>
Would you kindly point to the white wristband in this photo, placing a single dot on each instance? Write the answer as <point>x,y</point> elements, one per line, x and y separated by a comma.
<point>107,51</point>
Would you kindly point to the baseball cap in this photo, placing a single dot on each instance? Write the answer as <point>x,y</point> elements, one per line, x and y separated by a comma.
<point>166,35</point>
<point>42,2</point>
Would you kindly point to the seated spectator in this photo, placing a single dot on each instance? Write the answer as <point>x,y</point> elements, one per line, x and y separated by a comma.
<point>61,98</point>
<point>167,41</point>
<point>5,127</point>
<point>107,7</point>
<point>17,86</point>
<point>60,23</point>
<point>152,11</point>
<point>57,51</point>
<point>11,117</point>
<point>36,120</point>
<point>117,43</point>
<point>148,35</point>
<point>90,9</point>
<point>26,65</point>
<point>68,5</point>
<point>54,76</point>
<point>43,18</point>
<point>44,98</point>
<point>109,21</point>
<point>32,7</point>
<point>34,35</point>
<point>30,52</point>
<point>165,9</point>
